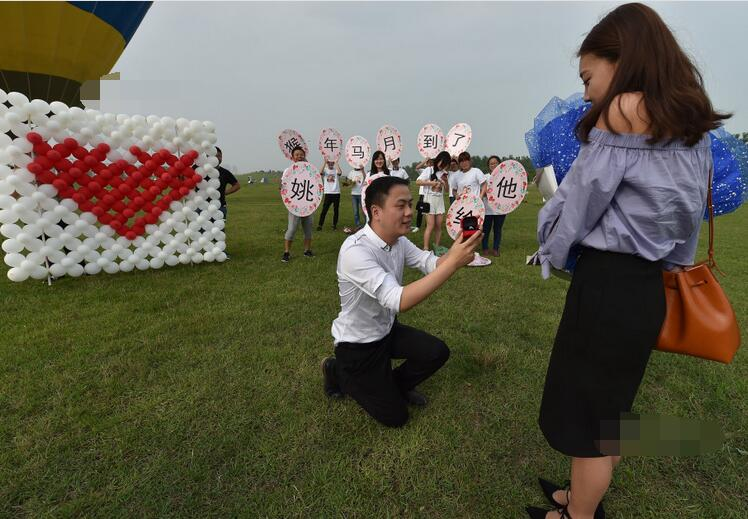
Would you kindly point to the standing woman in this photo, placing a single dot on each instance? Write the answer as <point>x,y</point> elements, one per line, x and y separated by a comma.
<point>434,180</point>
<point>493,218</point>
<point>633,201</point>
<point>378,163</point>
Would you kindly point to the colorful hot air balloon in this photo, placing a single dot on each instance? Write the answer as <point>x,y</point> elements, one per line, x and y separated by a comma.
<point>48,49</point>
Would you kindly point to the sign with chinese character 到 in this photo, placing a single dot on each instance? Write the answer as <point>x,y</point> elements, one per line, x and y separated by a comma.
<point>458,139</point>
<point>301,188</point>
<point>507,186</point>
<point>330,144</point>
<point>430,141</point>
<point>357,151</point>
<point>288,140</point>
<point>389,142</point>
<point>465,205</point>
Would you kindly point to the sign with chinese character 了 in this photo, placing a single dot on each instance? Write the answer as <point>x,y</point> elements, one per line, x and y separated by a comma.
<point>301,188</point>
<point>465,205</point>
<point>330,144</point>
<point>458,139</point>
<point>430,141</point>
<point>288,140</point>
<point>507,186</point>
<point>389,142</point>
<point>368,182</point>
<point>357,151</point>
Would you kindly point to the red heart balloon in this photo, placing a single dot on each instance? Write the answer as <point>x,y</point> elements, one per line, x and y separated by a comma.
<point>114,192</point>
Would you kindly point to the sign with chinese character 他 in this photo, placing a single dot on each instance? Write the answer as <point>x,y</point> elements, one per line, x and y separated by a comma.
<point>458,139</point>
<point>330,144</point>
<point>430,141</point>
<point>301,188</point>
<point>389,142</point>
<point>288,140</point>
<point>357,151</point>
<point>507,186</point>
<point>465,205</point>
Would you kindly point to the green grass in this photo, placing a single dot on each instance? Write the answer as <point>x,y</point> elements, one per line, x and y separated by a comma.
<point>196,391</point>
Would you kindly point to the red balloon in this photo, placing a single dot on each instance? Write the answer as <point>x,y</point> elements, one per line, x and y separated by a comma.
<point>154,190</point>
<point>80,153</point>
<point>151,218</point>
<point>95,187</point>
<point>129,213</point>
<point>79,198</point>
<point>108,199</point>
<point>54,155</point>
<point>61,149</point>
<point>183,191</point>
<point>118,206</point>
<point>34,138</point>
<point>44,162</point>
<point>34,168</point>
<point>86,206</point>
<point>148,207</point>
<point>125,188</point>
<point>105,218</point>
<point>90,161</point>
<point>179,165</point>
<point>42,148</point>
<point>63,165</point>
<point>135,150</point>
<point>105,174</point>
<point>115,224</point>
<point>83,180</point>
<point>60,184</point>
<point>98,210</point>
<point>68,192</point>
<point>103,148</point>
<point>130,235</point>
<point>70,143</point>
<point>45,177</point>
<point>139,201</point>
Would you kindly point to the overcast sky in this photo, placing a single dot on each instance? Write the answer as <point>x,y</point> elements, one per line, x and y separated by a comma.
<point>255,68</point>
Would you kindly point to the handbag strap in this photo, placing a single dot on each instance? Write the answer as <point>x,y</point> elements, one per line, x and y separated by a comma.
<point>710,205</point>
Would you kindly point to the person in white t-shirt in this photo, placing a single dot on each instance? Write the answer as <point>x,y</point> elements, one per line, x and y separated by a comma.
<point>378,164</point>
<point>468,179</point>
<point>493,219</point>
<point>419,217</point>
<point>397,171</point>
<point>356,177</point>
<point>434,180</point>
<point>454,170</point>
<point>331,180</point>
<point>298,155</point>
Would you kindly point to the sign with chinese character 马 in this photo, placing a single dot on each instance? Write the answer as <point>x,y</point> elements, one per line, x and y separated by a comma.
<point>458,139</point>
<point>357,151</point>
<point>330,144</point>
<point>301,188</point>
<point>430,141</point>
<point>389,142</point>
<point>507,186</point>
<point>465,205</point>
<point>288,140</point>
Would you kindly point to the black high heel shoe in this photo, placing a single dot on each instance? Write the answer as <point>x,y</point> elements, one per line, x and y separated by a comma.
<point>539,513</point>
<point>549,488</point>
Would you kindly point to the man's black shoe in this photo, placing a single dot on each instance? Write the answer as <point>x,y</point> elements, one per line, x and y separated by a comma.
<point>330,378</point>
<point>416,398</point>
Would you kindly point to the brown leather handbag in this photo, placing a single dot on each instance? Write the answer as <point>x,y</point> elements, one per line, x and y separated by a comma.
<point>699,320</point>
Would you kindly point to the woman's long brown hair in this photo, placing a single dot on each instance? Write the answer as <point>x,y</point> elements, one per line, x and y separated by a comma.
<point>649,60</point>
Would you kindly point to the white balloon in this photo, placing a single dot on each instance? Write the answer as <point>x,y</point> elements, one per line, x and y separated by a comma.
<point>10,230</point>
<point>75,271</point>
<point>92,268</point>
<point>57,270</point>
<point>111,268</point>
<point>184,259</point>
<point>13,259</point>
<point>171,260</point>
<point>18,274</point>
<point>17,99</point>
<point>142,264</point>
<point>39,272</point>
<point>125,266</point>
<point>156,263</point>
<point>12,246</point>
<point>208,256</point>
<point>221,257</point>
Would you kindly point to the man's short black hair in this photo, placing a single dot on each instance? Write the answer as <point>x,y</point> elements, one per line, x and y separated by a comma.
<point>297,148</point>
<point>379,189</point>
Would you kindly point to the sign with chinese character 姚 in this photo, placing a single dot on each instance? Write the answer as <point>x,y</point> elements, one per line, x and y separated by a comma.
<point>357,151</point>
<point>458,139</point>
<point>507,186</point>
<point>389,142</point>
<point>288,140</point>
<point>301,188</point>
<point>465,205</point>
<point>330,144</point>
<point>430,141</point>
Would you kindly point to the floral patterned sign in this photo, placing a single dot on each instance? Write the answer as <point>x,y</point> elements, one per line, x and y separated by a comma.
<point>465,205</point>
<point>507,186</point>
<point>330,144</point>
<point>458,139</point>
<point>430,141</point>
<point>368,181</point>
<point>357,151</point>
<point>301,188</point>
<point>389,142</point>
<point>288,140</point>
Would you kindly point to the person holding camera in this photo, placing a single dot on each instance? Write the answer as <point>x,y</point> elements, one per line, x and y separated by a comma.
<point>434,181</point>
<point>366,333</point>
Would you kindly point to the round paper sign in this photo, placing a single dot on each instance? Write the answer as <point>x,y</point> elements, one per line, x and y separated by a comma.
<point>458,139</point>
<point>368,181</point>
<point>389,142</point>
<point>330,144</point>
<point>301,188</point>
<point>357,151</point>
<point>507,186</point>
<point>430,141</point>
<point>288,140</point>
<point>465,205</point>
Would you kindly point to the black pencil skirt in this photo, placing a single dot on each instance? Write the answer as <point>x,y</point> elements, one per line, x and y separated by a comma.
<point>614,310</point>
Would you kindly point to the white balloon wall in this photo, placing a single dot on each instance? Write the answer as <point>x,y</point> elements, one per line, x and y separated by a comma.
<point>87,192</point>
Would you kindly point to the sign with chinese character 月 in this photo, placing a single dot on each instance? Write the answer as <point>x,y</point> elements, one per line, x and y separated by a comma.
<point>507,186</point>
<point>430,141</point>
<point>301,188</point>
<point>330,144</point>
<point>288,140</point>
<point>465,205</point>
<point>389,142</point>
<point>357,151</point>
<point>458,139</point>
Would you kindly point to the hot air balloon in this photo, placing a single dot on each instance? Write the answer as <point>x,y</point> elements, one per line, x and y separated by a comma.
<point>49,49</point>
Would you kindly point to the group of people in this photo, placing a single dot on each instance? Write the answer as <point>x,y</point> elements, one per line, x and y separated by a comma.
<point>630,206</point>
<point>443,174</point>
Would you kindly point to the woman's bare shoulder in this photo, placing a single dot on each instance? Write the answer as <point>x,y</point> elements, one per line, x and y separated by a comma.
<point>627,113</point>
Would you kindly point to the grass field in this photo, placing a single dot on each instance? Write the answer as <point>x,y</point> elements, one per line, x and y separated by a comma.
<point>196,391</point>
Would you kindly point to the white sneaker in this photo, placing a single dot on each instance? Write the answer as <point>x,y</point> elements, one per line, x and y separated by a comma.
<point>414,229</point>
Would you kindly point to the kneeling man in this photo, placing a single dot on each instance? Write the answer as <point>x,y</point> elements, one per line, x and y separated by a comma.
<point>366,332</point>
